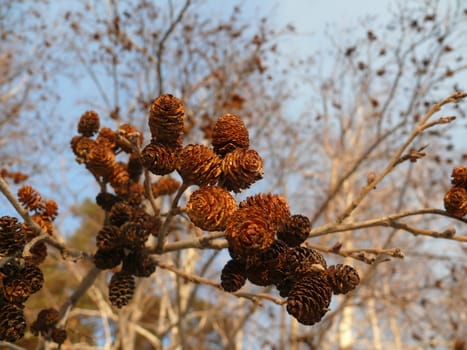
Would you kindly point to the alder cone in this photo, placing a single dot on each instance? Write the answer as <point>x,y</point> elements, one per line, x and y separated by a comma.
<point>210,207</point>
<point>58,335</point>
<point>38,254</point>
<point>12,322</point>
<point>82,147</point>
<point>133,235</point>
<point>120,179</point>
<point>198,165</point>
<point>108,237</point>
<point>295,230</point>
<point>46,319</point>
<point>121,289</point>
<point>274,205</point>
<point>101,160</point>
<point>459,177</point>
<point>166,118</point>
<point>29,198</point>
<point>165,186</point>
<point>229,133</point>
<point>248,232</point>
<point>121,212</point>
<point>300,261</point>
<point>89,123</point>
<point>233,276</point>
<point>455,201</point>
<point>106,200</point>
<point>34,276</point>
<point>130,135</point>
<point>342,278</point>
<point>12,238</point>
<point>107,258</point>
<point>240,169</point>
<point>107,137</point>
<point>16,289</point>
<point>159,159</point>
<point>139,263</point>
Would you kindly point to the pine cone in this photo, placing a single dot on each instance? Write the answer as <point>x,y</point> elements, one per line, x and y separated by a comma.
<point>58,335</point>
<point>12,239</point>
<point>128,137</point>
<point>274,205</point>
<point>309,299</point>
<point>120,179</point>
<point>30,198</point>
<point>198,165</point>
<point>240,169</point>
<point>120,213</point>
<point>88,124</point>
<point>455,201</point>
<point>107,259</point>
<point>38,254</point>
<point>295,230</point>
<point>121,289</point>
<point>34,276</point>
<point>108,237</point>
<point>166,118</point>
<point>229,133</point>
<point>82,147</point>
<point>233,276</point>
<point>12,322</point>
<point>342,278</point>
<point>459,177</point>
<point>106,200</point>
<point>100,161</point>
<point>165,186</point>
<point>210,207</point>
<point>139,263</point>
<point>133,235</point>
<point>300,261</point>
<point>159,159</point>
<point>248,232</point>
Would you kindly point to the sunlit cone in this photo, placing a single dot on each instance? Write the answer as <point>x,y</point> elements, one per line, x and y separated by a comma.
<point>198,165</point>
<point>100,161</point>
<point>128,137</point>
<point>166,118</point>
<point>50,209</point>
<point>38,253</point>
<point>30,198</point>
<point>301,260</point>
<point>16,289</point>
<point>342,278</point>
<point>240,169</point>
<point>135,167</point>
<point>106,200</point>
<point>82,147</point>
<point>455,201</point>
<point>274,205</point>
<point>12,239</point>
<point>108,259</point>
<point>34,276</point>
<point>89,123</point>
<point>108,237</point>
<point>135,195</point>
<point>229,133</point>
<point>108,138</point>
<point>233,276</point>
<point>159,159</point>
<point>58,335</point>
<point>43,222</point>
<point>459,177</point>
<point>12,322</point>
<point>248,231</point>
<point>210,207</point>
<point>133,235</point>
<point>165,186</point>
<point>309,299</point>
<point>120,179</point>
<point>295,230</point>
<point>139,263</point>
<point>121,289</point>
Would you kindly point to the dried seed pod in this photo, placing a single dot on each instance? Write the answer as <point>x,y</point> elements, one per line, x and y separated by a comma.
<point>16,289</point>
<point>455,201</point>
<point>133,235</point>
<point>229,133</point>
<point>120,179</point>
<point>34,276</point>
<point>459,177</point>
<point>165,186</point>
<point>198,165</point>
<point>128,137</point>
<point>309,299</point>
<point>106,200</point>
<point>139,263</point>
<point>342,278</point>
<point>274,205</point>
<point>210,207</point>
<point>46,319</point>
<point>303,260</point>
<point>120,213</point>
<point>121,289</point>
<point>38,253</point>
<point>108,259</point>
<point>82,147</point>
<point>58,335</point>
<point>12,239</point>
<point>295,230</point>
<point>240,169</point>
<point>159,159</point>
<point>233,276</point>
<point>89,123</point>
<point>30,198</point>
<point>108,237</point>
<point>100,161</point>
<point>12,322</point>
<point>166,118</point>
<point>135,167</point>
<point>248,232</point>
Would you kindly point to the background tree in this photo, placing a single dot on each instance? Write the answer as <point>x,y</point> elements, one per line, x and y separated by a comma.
<point>368,94</point>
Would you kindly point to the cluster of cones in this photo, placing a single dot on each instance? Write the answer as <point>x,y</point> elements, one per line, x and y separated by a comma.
<point>455,199</point>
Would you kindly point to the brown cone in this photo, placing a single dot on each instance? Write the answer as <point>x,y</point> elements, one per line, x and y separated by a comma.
<point>89,123</point>
<point>210,207</point>
<point>12,239</point>
<point>165,186</point>
<point>12,322</point>
<point>101,160</point>
<point>120,179</point>
<point>459,177</point>
<point>38,254</point>
<point>240,169</point>
<point>233,276</point>
<point>120,213</point>
<point>295,230</point>
<point>121,289</point>
<point>133,235</point>
<point>34,276</point>
<point>229,133</point>
<point>166,118</point>
<point>82,147</point>
<point>455,201</point>
<point>309,299</point>
<point>106,200</point>
<point>58,335</point>
<point>199,165</point>
<point>159,159</point>
<point>139,263</point>
<point>342,278</point>
<point>274,205</point>
<point>128,137</point>
<point>108,259</point>
<point>108,237</point>
<point>29,198</point>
